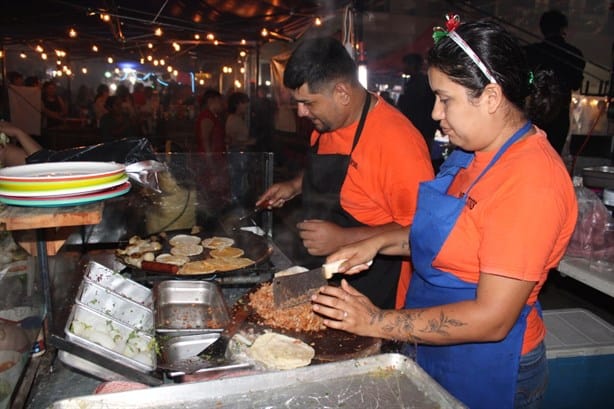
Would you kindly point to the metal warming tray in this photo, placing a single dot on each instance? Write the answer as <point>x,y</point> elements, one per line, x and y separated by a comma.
<point>185,307</point>
<point>89,367</point>
<point>110,303</point>
<point>598,177</point>
<point>107,278</point>
<point>381,381</point>
<point>111,338</point>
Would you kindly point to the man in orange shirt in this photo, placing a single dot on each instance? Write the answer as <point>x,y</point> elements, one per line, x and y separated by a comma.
<point>487,229</point>
<point>363,168</point>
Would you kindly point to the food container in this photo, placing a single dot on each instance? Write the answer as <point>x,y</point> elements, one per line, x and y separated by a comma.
<point>111,280</point>
<point>89,367</point>
<point>186,307</point>
<point>122,309</point>
<point>380,381</point>
<point>175,349</point>
<point>598,177</point>
<point>111,338</point>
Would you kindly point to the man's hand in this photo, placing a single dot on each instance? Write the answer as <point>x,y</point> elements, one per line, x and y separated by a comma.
<point>279,193</point>
<point>321,237</point>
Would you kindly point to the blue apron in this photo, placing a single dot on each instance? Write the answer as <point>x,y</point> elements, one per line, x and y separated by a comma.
<point>481,375</point>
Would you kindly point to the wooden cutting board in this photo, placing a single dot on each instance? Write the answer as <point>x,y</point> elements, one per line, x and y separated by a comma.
<point>330,345</point>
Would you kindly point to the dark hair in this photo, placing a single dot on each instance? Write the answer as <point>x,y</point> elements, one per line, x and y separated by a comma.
<point>14,76</point>
<point>235,99</point>
<point>552,22</point>
<point>504,58</point>
<point>317,62</point>
<point>208,95</point>
<point>31,81</point>
<point>102,88</point>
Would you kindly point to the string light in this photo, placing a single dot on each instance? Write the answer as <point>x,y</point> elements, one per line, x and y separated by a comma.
<point>216,42</point>
<point>39,49</point>
<point>149,58</point>
<point>175,73</point>
<point>243,42</point>
<point>72,33</point>
<point>158,32</point>
<point>44,56</point>
<point>149,45</point>
<point>176,46</point>
<point>197,36</point>
<point>210,37</point>
<point>84,70</point>
<point>59,62</point>
<point>22,55</point>
<point>169,69</point>
<point>264,32</point>
<point>318,21</point>
<point>110,60</point>
<point>105,17</point>
<point>95,48</point>
<point>162,62</point>
<point>1,54</point>
<point>242,53</point>
<point>142,60</point>
<point>156,62</point>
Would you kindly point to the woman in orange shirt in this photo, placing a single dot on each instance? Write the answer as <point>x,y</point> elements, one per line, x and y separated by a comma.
<point>486,231</point>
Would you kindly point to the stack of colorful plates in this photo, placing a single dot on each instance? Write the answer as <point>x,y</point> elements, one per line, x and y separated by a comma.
<point>62,183</point>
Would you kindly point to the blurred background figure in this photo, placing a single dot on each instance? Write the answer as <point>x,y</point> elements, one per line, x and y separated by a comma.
<point>417,100</point>
<point>237,130</point>
<point>262,120</point>
<point>54,108</point>
<point>15,145</point>
<point>117,123</point>
<point>100,101</point>
<point>209,126</point>
<point>566,62</point>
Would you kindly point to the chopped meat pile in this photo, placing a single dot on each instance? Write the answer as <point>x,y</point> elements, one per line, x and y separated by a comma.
<point>299,318</point>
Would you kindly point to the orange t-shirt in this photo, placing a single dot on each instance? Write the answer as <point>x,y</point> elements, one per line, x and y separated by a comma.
<point>518,222</point>
<point>389,161</point>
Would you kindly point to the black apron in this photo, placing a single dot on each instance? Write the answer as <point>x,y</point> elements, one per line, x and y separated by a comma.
<point>322,181</point>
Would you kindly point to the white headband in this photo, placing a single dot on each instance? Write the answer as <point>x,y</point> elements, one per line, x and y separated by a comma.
<point>474,57</point>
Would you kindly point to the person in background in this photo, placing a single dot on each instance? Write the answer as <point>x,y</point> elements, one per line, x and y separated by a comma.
<point>100,101</point>
<point>117,123</point>
<point>357,183</point>
<point>567,63</point>
<point>487,230</point>
<point>32,81</point>
<point>237,130</point>
<point>54,108</point>
<point>417,100</point>
<point>262,121</point>
<point>209,126</point>
<point>15,145</point>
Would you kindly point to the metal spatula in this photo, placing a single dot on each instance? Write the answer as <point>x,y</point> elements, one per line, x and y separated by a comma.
<point>216,351</point>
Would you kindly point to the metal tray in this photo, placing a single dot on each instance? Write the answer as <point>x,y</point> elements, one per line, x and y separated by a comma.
<point>380,381</point>
<point>110,303</point>
<point>92,329</point>
<point>107,278</point>
<point>185,307</point>
<point>599,177</point>
<point>174,349</point>
<point>88,367</point>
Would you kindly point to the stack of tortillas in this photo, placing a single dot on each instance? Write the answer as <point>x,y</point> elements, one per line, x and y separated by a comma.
<point>277,351</point>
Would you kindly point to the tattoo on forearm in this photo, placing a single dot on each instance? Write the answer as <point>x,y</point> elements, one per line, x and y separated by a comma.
<point>442,324</point>
<point>402,325</point>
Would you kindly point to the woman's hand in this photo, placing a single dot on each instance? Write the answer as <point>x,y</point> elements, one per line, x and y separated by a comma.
<point>346,309</point>
<point>357,255</point>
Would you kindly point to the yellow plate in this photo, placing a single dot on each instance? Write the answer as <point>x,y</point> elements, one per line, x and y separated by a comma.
<point>53,185</point>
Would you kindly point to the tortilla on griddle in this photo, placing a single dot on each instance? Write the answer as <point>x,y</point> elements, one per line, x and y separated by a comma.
<point>277,351</point>
<point>227,252</point>
<point>218,242</point>
<point>197,267</point>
